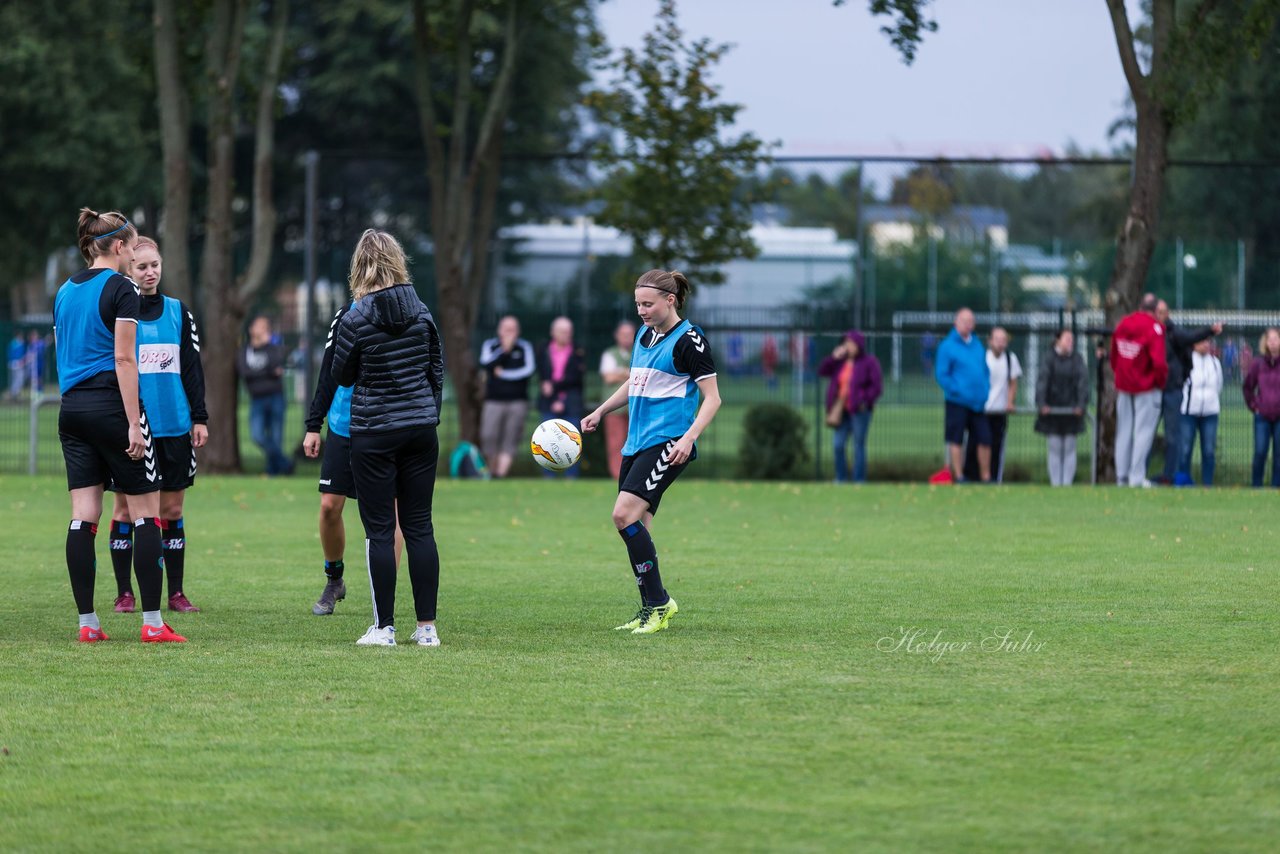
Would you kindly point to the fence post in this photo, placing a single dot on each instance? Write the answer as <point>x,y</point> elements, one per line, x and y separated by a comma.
<point>818,420</point>
<point>34,428</point>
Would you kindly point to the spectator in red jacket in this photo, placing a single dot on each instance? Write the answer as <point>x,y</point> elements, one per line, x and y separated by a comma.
<point>1138,360</point>
<point>1262,396</point>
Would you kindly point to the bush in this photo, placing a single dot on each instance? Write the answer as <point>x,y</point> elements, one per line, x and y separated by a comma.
<point>773,444</point>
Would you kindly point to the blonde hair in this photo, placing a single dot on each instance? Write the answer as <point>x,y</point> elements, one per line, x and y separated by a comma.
<point>378,262</point>
<point>93,228</point>
<point>144,242</point>
<point>1262,342</point>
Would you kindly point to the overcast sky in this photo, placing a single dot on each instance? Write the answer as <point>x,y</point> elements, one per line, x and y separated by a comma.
<point>999,77</point>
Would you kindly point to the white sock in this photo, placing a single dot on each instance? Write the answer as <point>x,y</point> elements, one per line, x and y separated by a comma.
<point>152,618</point>
<point>90,620</point>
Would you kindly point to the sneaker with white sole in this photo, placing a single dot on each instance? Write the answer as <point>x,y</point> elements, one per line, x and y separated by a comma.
<point>378,637</point>
<point>425,636</point>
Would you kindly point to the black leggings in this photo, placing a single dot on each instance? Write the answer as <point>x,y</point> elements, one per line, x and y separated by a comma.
<point>398,466</point>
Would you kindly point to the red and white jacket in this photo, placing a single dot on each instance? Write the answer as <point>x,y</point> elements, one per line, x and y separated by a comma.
<point>1138,355</point>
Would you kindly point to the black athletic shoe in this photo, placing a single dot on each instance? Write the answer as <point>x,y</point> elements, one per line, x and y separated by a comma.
<point>334,591</point>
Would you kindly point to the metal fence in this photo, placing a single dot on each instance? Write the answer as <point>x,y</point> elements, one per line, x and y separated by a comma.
<point>767,356</point>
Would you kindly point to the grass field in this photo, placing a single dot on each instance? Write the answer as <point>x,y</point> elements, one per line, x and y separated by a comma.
<point>1133,706</point>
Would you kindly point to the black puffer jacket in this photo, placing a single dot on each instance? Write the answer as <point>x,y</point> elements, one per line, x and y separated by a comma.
<point>388,347</point>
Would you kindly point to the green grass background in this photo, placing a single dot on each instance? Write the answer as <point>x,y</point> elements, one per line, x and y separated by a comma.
<point>770,716</point>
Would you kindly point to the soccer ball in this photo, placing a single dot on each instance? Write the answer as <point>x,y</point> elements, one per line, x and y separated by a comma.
<point>556,444</point>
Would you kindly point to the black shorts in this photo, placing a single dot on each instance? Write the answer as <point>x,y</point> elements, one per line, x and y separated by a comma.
<point>95,447</point>
<point>962,420</point>
<point>176,461</point>
<point>648,474</point>
<point>335,467</point>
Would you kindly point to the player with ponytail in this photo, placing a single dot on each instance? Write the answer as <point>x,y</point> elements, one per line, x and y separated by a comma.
<point>102,423</point>
<point>670,364</point>
<point>171,378</point>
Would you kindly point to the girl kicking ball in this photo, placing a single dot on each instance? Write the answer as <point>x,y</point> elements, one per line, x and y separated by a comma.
<point>670,364</point>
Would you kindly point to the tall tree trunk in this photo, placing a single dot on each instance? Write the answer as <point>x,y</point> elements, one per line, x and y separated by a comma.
<point>175,127</point>
<point>223,310</point>
<point>463,179</point>
<point>1137,238</point>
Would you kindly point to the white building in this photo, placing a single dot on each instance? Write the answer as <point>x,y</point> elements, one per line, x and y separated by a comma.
<point>547,260</point>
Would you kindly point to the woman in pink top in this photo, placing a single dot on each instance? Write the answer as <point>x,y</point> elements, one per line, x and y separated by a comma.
<point>562,370</point>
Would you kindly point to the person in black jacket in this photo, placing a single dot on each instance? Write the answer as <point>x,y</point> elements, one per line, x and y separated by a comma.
<point>1062,393</point>
<point>562,369</point>
<point>388,347</point>
<point>261,365</point>
<point>1178,343</point>
<point>508,359</point>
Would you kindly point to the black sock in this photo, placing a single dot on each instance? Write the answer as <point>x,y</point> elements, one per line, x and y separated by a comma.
<point>334,568</point>
<point>82,566</point>
<point>122,555</point>
<point>644,563</point>
<point>148,561</point>
<point>175,553</point>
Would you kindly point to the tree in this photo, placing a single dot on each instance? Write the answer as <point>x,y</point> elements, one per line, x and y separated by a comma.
<point>675,183</point>
<point>908,26</point>
<point>471,61</point>
<point>225,297</point>
<point>73,125</point>
<point>1188,55</point>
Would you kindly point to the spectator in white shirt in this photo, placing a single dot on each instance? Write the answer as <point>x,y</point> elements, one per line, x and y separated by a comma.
<point>1199,413</point>
<point>1002,398</point>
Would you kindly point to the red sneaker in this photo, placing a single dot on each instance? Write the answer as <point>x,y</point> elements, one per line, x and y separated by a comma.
<point>164,634</point>
<point>179,602</point>
<point>88,635</point>
<point>125,603</point>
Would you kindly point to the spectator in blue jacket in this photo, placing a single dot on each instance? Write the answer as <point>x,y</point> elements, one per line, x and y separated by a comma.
<point>962,372</point>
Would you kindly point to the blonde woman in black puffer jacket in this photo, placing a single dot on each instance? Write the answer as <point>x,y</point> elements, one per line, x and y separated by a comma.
<point>388,347</point>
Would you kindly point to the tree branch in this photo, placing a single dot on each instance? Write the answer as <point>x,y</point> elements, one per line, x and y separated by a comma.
<point>175,127</point>
<point>496,112</point>
<point>422,56</point>
<point>1128,58</point>
<point>463,61</point>
<point>264,209</point>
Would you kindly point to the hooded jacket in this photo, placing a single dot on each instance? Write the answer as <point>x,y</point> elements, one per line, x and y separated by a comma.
<point>867,384</point>
<point>1138,354</point>
<point>1262,387</point>
<point>962,371</point>
<point>1203,385</point>
<point>388,347</point>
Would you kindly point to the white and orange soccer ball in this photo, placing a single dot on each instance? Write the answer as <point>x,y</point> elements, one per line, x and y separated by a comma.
<point>556,444</point>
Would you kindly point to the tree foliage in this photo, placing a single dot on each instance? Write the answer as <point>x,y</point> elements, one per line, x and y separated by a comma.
<point>675,177</point>
<point>909,21</point>
<point>75,124</point>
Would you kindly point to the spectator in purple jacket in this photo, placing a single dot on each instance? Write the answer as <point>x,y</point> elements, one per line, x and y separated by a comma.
<point>1262,396</point>
<point>855,380</point>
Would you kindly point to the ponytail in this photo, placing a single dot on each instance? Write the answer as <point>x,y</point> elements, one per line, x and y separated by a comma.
<point>93,228</point>
<point>673,283</point>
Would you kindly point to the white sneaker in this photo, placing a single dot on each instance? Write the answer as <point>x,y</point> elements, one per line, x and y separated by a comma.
<point>426,636</point>
<point>378,637</point>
